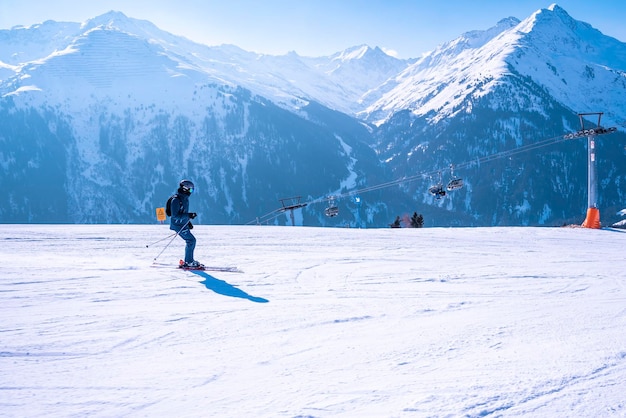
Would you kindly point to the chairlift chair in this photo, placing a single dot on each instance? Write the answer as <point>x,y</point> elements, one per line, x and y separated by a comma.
<point>437,189</point>
<point>455,183</point>
<point>332,210</point>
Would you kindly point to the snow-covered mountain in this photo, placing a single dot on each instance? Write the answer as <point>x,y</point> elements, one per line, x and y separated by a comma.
<point>116,112</point>
<point>513,85</point>
<point>101,119</point>
<point>570,59</point>
<point>338,81</point>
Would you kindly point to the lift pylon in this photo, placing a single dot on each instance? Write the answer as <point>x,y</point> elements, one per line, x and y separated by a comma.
<point>592,220</point>
<point>292,204</point>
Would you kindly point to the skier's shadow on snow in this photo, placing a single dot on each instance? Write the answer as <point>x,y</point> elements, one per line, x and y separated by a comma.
<point>223,288</point>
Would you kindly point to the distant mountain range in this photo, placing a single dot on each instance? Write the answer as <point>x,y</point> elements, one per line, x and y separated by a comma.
<point>100,120</point>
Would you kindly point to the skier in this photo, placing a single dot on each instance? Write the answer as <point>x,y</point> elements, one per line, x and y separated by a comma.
<point>181,221</point>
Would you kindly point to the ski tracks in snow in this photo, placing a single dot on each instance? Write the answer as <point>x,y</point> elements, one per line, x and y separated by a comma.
<point>422,322</point>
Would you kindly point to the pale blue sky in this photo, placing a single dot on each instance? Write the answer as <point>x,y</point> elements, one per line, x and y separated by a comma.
<point>317,27</point>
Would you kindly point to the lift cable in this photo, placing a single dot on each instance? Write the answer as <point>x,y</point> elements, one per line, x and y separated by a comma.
<point>467,164</point>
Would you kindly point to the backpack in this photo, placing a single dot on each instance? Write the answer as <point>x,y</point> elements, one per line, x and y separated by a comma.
<point>168,205</point>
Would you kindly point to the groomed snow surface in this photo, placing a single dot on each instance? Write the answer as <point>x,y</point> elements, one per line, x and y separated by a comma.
<point>434,322</point>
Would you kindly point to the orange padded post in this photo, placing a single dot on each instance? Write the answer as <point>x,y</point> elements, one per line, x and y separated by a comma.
<point>593,219</point>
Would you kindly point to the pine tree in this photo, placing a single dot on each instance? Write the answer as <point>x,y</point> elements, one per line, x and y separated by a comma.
<point>417,221</point>
<point>396,223</point>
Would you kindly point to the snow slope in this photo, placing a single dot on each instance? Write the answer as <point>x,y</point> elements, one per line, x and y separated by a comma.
<point>323,322</point>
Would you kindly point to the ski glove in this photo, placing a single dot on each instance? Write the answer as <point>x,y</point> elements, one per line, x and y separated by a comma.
<point>192,215</point>
<point>190,225</point>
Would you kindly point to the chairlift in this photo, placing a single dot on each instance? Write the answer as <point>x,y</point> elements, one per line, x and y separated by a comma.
<point>437,189</point>
<point>332,210</point>
<point>455,183</point>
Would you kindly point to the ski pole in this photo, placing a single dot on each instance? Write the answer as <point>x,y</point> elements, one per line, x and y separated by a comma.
<point>162,239</point>
<point>174,237</point>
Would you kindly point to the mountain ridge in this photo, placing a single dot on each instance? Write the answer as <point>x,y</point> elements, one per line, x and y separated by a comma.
<point>426,85</point>
<point>383,82</point>
<point>271,76</point>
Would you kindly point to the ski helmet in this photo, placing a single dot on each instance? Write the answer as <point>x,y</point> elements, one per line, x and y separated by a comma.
<point>186,186</point>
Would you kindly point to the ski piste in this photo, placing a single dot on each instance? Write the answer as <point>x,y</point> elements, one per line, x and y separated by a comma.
<point>226,269</point>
